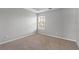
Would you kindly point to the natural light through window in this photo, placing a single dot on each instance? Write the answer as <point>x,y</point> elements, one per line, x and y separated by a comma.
<point>41,22</point>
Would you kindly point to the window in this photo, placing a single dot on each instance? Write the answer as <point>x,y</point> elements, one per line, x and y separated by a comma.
<point>41,22</point>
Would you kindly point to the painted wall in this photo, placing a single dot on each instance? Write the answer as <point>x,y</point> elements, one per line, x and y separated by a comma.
<point>60,23</point>
<point>77,25</point>
<point>16,22</point>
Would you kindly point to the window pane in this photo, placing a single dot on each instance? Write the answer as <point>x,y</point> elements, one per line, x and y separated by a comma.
<point>41,22</point>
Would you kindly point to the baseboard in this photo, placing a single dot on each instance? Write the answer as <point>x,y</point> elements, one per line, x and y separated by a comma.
<point>57,37</point>
<point>17,38</point>
<point>32,34</point>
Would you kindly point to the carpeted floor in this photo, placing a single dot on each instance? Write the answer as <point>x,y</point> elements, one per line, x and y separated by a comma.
<point>39,42</point>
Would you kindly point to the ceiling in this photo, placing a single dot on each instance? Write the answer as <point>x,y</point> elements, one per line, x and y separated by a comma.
<point>39,10</point>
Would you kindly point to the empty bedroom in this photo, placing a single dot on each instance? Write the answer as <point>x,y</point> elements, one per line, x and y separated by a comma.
<point>39,29</point>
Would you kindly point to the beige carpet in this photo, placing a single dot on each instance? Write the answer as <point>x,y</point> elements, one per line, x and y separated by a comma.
<point>39,42</point>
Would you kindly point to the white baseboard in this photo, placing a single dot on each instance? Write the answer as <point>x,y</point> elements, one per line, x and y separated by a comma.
<point>58,37</point>
<point>10,40</point>
<point>32,34</point>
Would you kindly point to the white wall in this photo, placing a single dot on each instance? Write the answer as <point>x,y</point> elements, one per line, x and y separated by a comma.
<point>60,23</point>
<point>16,22</point>
<point>77,25</point>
